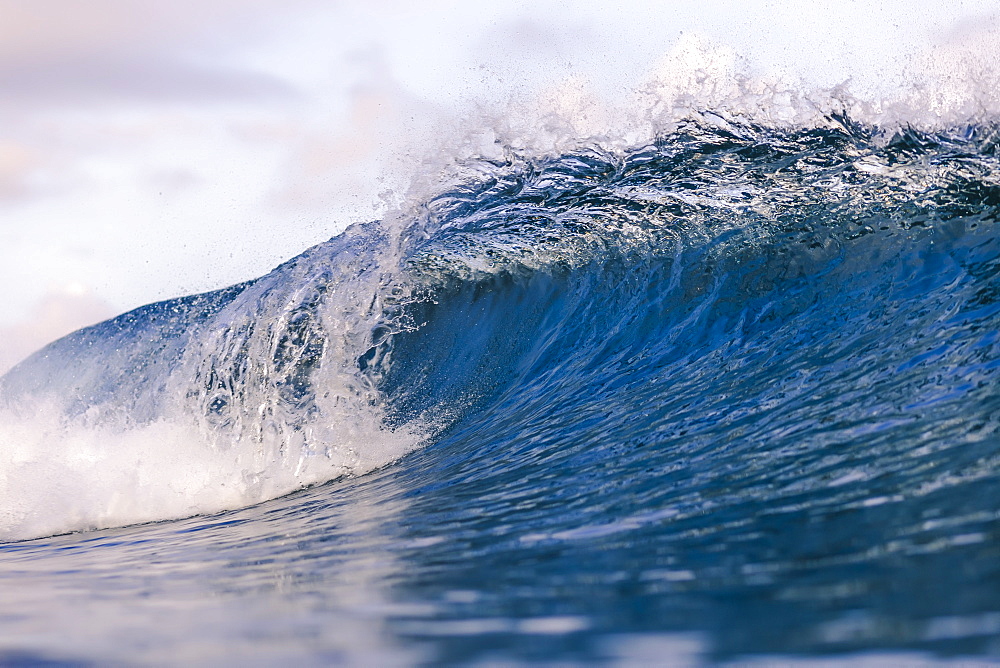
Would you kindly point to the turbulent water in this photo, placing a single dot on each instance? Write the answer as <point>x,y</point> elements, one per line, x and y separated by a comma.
<point>730,395</point>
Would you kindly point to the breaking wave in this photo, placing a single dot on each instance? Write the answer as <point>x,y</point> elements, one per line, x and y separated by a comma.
<point>732,313</point>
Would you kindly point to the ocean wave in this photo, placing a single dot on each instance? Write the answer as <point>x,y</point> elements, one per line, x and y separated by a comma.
<point>776,313</point>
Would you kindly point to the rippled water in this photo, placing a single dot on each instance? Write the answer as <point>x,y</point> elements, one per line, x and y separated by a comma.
<point>728,397</point>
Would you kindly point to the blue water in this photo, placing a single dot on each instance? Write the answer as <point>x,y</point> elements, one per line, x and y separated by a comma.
<point>731,396</point>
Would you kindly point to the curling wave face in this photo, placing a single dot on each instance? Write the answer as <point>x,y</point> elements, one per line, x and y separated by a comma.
<point>732,317</point>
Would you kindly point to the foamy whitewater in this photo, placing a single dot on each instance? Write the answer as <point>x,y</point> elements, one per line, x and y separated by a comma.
<point>726,390</point>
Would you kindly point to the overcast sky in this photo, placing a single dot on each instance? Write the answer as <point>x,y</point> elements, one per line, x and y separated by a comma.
<point>153,149</point>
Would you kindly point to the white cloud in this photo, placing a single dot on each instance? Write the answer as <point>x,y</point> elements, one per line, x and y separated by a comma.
<point>56,314</point>
<point>61,52</point>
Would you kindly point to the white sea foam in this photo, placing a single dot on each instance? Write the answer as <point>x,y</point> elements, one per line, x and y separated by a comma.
<point>57,477</point>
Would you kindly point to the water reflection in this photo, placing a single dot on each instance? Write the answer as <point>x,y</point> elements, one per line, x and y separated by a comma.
<point>302,578</point>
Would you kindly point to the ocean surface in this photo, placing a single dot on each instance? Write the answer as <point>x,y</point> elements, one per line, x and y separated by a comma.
<point>729,396</point>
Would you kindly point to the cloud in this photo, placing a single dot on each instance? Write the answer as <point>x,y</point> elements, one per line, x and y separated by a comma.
<point>54,315</point>
<point>154,79</point>
<point>63,51</point>
<point>16,162</point>
<point>62,30</point>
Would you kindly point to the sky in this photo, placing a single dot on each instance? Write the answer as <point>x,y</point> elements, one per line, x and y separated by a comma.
<point>155,149</point>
